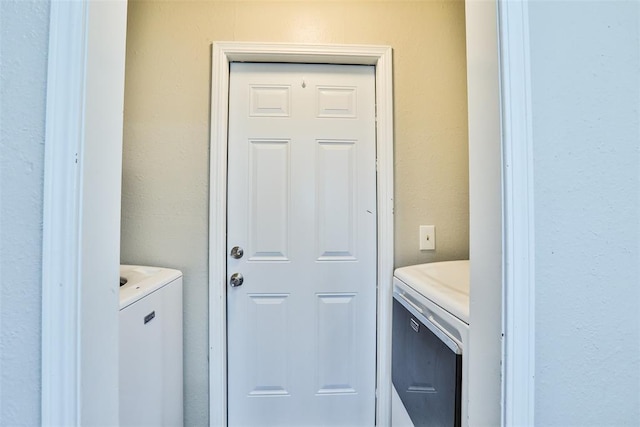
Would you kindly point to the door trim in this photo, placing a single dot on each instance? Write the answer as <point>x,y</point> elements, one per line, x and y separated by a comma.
<point>81,213</point>
<point>518,293</point>
<point>223,53</point>
<point>60,402</point>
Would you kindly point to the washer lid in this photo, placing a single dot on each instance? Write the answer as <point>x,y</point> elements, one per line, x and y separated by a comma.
<point>142,281</point>
<point>444,283</point>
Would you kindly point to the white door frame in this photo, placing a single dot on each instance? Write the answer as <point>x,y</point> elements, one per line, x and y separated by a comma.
<point>223,54</point>
<point>81,212</point>
<point>60,401</point>
<point>518,283</point>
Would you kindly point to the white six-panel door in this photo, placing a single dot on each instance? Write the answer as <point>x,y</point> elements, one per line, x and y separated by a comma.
<point>302,207</point>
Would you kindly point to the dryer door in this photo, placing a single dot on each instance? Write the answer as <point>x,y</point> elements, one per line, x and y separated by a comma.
<point>427,372</point>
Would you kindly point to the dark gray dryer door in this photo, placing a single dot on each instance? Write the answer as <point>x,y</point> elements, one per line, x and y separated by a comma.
<point>426,372</point>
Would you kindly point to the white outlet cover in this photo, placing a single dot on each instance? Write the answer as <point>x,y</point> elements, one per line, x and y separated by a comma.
<point>427,237</point>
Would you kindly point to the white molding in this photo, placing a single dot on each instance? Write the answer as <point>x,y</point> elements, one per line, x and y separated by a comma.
<point>518,383</point>
<point>217,239</point>
<point>61,222</point>
<point>223,54</point>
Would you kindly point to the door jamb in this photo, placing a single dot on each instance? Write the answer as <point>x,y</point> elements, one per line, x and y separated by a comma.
<point>518,293</point>
<point>223,53</point>
<point>81,213</point>
<point>62,207</point>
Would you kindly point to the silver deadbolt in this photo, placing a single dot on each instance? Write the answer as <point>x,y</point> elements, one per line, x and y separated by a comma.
<point>236,280</point>
<point>236,252</point>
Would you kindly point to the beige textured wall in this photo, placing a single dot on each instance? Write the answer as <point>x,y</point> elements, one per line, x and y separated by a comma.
<point>166,137</point>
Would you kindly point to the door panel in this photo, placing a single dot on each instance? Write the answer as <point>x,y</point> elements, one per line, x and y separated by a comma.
<point>269,190</point>
<point>268,375</point>
<point>302,204</point>
<point>336,190</point>
<point>336,353</point>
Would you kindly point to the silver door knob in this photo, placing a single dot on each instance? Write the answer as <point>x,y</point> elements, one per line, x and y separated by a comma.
<point>236,280</point>
<point>236,252</point>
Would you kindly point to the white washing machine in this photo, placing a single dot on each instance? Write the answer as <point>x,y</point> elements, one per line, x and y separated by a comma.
<point>150,346</point>
<point>430,333</point>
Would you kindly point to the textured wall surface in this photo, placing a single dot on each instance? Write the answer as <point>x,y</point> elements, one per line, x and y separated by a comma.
<point>24,32</point>
<point>585,59</point>
<point>166,136</point>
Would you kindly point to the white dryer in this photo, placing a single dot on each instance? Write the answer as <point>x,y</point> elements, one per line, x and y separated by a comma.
<point>151,373</point>
<point>430,333</point>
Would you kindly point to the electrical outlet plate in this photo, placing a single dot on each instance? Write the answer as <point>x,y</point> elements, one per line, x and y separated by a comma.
<point>427,237</point>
